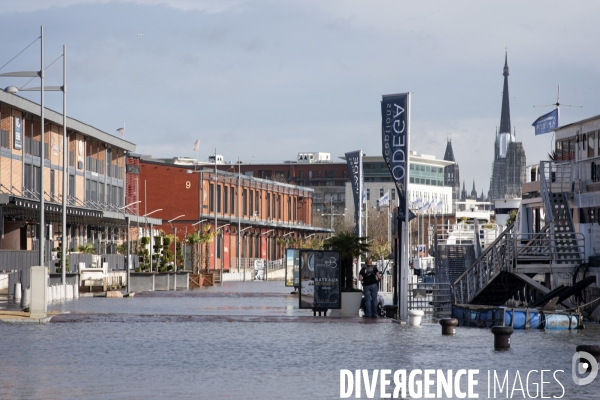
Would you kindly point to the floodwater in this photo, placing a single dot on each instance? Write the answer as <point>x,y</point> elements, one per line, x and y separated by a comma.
<point>250,341</point>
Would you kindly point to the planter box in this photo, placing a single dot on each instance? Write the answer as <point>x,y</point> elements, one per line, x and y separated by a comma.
<point>350,305</point>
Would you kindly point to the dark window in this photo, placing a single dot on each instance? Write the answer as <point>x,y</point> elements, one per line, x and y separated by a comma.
<point>4,139</point>
<point>72,189</point>
<point>225,200</point>
<point>93,191</point>
<point>101,193</point>
<point>244,196</point>
<point>268,201</point>
<point>256,202</point>
<point>211,197</point>
<point>252,202</point>
<point>218,198</point>
<point>368,194</point>
<point>232,199</point>
<point>393,194</point>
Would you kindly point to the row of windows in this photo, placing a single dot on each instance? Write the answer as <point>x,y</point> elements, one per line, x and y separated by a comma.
<point>94,191</point>
<point>381,193</point>
<point>424,181</point>
<point>584,144</point>
<point>250,203</point>
<point>426,168</point>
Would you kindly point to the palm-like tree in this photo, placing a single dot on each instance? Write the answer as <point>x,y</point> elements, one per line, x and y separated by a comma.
<point>350,247</point>
<point>206,235</point>
<point>87,248</point>
<point>193,239</point>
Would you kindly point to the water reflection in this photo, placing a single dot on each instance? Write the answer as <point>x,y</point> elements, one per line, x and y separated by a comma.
<point>237,358</point>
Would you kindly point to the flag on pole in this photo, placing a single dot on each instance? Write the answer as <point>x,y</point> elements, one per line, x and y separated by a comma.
<point>197,145</point>
<point>385,200</point>
<point>546,123</point>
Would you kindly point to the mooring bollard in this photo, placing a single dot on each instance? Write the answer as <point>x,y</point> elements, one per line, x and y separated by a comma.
<point>593,350</point>
<point>414,317</point>
<point>25,299</point>
<point>18,291</point>
<point>48,294</point>
<point>502,337</point>
<point>448,326</point>
<point>390,310</point>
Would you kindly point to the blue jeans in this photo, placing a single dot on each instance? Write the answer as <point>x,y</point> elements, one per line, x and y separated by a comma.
<point>370,292</point>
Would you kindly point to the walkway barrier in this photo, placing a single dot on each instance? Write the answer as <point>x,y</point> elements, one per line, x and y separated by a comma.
<point>432,298</point>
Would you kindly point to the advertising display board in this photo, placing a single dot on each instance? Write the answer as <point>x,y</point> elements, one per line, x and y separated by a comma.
<point>320,278</point>
<point>292,267</point>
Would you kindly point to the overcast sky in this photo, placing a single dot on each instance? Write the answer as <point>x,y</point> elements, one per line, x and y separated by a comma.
<point>263,80</point>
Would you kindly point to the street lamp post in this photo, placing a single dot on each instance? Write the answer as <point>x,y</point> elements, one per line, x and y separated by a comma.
<point>13,90</point>
<point>175,250</point>
<point>267,260</point>
<point>198,245</point>
<point>216,208</point>
<point>128,244</point>
<point>217,244</point>
<point>331,215</point>
<point>239,259</point>
<point>150,234</point>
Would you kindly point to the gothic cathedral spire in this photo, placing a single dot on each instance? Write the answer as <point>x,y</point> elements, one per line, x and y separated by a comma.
<point>505,115</point>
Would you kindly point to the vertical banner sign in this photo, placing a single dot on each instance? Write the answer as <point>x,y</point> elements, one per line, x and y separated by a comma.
<point>320,278</point>
<point>354,160</point>
<point>18,134</point>
<point>292,267</point>
<point>394,135</point>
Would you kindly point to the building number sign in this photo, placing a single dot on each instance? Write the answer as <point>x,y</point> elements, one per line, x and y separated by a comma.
<point>188,184</point>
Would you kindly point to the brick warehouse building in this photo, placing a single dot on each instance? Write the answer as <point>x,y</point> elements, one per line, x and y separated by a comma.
<point>96,169</point>
<point>269,210</point>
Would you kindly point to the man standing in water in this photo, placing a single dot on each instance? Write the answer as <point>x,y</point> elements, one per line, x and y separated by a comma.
<point>369,277</point>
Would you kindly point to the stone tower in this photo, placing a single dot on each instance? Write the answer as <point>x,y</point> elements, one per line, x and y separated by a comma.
<point>508,168</point>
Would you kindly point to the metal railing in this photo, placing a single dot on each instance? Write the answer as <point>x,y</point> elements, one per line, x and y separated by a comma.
<point>499,256</point>
<point>434,298</point>
<point>545,247</point>
<point>557,177</point>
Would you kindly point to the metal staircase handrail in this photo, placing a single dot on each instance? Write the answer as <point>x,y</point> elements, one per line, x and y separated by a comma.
<point>489,249</point>
<point>544,192</point>
<point>496,257</point>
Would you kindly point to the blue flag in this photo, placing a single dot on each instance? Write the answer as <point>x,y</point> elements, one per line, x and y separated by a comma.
<point>546,123</point>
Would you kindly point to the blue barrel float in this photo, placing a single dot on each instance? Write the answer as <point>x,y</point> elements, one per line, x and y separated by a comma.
<point>517,318</point>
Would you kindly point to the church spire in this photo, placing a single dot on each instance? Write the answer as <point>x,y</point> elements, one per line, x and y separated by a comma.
<point>505,116</point>
<point>449,154</point>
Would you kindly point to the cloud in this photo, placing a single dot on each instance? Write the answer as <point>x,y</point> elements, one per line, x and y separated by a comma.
<point>209,6</point>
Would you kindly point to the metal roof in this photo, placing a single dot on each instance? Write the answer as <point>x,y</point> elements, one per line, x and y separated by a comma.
<point>57,118</point>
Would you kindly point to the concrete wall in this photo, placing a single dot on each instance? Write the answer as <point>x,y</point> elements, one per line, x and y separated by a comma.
<point>142,282</point>
<point>3,281</point>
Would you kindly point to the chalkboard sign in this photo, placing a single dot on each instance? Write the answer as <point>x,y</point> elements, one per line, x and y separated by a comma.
<point>320,278</point>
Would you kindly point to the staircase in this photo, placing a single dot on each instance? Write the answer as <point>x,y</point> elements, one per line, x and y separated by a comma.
<point>487,281</point>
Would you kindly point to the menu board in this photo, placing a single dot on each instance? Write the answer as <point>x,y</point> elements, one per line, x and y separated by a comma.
<point>320,278</point>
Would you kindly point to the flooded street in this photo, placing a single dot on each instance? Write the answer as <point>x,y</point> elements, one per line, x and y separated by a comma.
<point>249,341</point>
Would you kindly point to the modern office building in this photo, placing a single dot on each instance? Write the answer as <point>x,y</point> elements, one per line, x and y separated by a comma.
<point>426,182</point>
